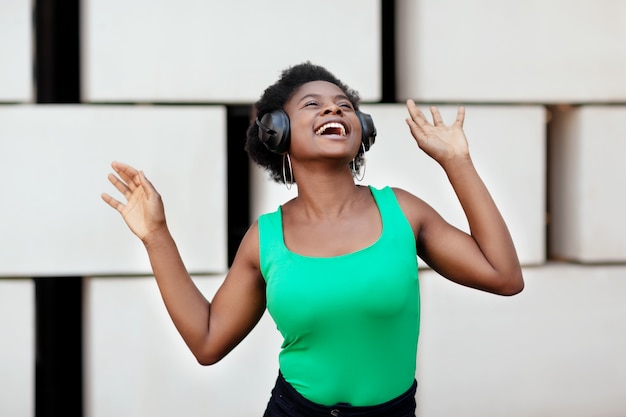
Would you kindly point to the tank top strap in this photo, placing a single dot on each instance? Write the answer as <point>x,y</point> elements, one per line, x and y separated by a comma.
<point>270,238</point>
<point>391,213</point>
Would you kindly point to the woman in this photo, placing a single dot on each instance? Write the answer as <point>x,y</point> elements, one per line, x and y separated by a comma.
<point>336,266</point>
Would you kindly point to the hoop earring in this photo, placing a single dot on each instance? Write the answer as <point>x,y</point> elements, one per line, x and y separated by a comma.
<point>355,174</point>
<point>290,183</point>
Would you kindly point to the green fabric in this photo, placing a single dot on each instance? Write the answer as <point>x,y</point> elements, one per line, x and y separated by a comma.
<point>350,323</point>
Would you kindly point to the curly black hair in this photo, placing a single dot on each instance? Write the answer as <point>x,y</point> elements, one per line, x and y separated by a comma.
<point>274,97</point>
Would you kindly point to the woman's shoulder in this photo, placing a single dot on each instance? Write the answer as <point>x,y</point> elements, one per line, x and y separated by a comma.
<point>251,237</point>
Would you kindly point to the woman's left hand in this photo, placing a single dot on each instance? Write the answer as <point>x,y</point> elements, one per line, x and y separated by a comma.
<point>440,141</point>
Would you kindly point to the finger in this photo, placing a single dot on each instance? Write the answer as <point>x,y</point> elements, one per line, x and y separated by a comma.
<point>120,185</point>
<point>460,116</point>
<point>416,114</point>
<point>124,168</point>
<point>437,119</point>
<point>112,202</point>
<point>127,173</point>
<point>416,131</point>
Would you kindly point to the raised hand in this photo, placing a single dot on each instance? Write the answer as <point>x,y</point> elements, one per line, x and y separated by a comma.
<point>440,141</point>
<point>143,211</point>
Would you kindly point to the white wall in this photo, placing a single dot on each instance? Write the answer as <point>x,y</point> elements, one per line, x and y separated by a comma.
<point>511,51</point>
<point>555,349</point>
<point>138,364</point>
<point>17,347</point>
<point>16,46</point>
<point>395,159</point>
<point>228,52</point>
<point>55,161</point>
<point>588,200</point>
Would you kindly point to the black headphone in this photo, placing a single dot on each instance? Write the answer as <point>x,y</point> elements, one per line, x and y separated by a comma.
<point>274,130</point>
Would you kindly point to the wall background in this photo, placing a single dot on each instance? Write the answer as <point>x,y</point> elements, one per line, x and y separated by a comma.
<point>167,86</point>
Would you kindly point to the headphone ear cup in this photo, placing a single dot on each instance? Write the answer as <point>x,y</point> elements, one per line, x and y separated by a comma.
<point>368,130</point>
<point>274,131</point>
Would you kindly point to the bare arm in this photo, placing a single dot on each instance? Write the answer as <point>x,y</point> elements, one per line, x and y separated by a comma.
<point>486,258</point>
<point>210,329</point>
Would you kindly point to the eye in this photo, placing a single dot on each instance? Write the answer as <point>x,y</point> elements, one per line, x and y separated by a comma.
<point>310,103</point>
<point>346,105</point>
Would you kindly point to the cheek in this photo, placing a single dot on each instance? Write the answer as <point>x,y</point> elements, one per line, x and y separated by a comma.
<point>300,133</point>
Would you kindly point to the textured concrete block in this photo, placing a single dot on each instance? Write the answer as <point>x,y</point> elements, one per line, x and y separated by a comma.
<point>556,349</point>
<point>16,44</point>
<point>134,352</point>
<point>512,166</point>
<point>53,166</point>
<point>511,51</point>
<point>218,51</point>
<point>587,199</point>
<point>507,145</point>
<point>17,349</point>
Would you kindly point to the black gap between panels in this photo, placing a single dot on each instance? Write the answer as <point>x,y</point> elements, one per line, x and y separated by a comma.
<point>58,300</point>
<point>238,172</point>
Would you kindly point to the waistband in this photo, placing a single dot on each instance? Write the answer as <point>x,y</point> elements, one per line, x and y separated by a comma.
<point>292,403</point>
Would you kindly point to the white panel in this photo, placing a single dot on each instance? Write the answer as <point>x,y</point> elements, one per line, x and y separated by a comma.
<point>512,166</point>
<point>511,51</point>
<point>17,349</point>
<point>54,161</point>
<point>507,147</point>
<point>587,199</point>
<point>16,71</point>
<point>538,353</point>
<point>223,51</point>
<point>556,349</point>
<point>137,364</point>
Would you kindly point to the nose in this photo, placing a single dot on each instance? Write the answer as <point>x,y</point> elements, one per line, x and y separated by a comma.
<point>332,108</point>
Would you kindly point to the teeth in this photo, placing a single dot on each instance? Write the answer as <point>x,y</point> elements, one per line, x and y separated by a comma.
<point>331,125</point>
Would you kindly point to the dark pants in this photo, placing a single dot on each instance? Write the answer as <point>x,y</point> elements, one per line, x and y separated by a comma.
<point>287,402</point>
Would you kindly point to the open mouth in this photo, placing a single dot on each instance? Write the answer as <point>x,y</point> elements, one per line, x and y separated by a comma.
<point>332,128</point>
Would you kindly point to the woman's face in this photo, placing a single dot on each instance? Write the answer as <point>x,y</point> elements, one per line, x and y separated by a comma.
<point>323,122</point>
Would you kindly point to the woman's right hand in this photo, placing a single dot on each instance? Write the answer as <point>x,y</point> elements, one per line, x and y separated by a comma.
<point>143,212</point>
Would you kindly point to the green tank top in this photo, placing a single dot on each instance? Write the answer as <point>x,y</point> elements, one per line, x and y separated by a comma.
<point>350,323</point>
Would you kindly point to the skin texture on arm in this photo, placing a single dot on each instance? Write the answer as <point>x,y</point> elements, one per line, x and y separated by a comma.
<point>210,329</point>
<point>485,258</point>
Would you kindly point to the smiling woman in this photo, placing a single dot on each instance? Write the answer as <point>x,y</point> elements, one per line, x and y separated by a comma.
<point>336,266</point>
